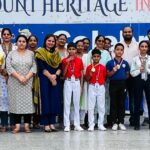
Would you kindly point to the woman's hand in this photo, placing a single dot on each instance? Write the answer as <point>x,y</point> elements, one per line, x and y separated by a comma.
<point>22,80</point>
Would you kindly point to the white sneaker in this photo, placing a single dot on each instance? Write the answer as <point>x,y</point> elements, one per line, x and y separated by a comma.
<point>102,128</point>
<point>91,128</point>
<point>115,127</point>
<point>67,129</point>
<point>122,127</point>
<point>78,128</point>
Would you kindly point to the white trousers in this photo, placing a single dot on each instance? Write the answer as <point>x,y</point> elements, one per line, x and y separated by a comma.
<point>96,96</point>
<point>69,88</point>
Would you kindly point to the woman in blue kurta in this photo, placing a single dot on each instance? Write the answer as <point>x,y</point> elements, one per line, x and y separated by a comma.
<point>49,70</point>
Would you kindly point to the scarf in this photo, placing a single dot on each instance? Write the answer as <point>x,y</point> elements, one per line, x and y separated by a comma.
<point>52,59</point>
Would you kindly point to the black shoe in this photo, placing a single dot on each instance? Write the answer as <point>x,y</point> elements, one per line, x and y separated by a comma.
<point>131,124</point>
<point>145,122</point>
<point>47,130</point>
<point>137,128</point>
<point>54,130</point>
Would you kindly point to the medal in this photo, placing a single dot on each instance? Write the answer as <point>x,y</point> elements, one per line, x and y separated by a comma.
<point>93,69</point>
<point>118,66</point>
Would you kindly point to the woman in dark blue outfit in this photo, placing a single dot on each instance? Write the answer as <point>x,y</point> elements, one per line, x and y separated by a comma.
<point>49,70</point>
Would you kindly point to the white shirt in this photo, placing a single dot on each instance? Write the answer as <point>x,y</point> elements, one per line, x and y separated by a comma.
<point>136,64</point>
<point>130,51</point>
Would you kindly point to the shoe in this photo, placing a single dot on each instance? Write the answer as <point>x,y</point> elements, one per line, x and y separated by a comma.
<point>137,128</point>
<point>91,128</point>
<point>27,130</point>
<point>145,122</point>
<point>3,129</point>
<point>122,127</point>
<point>115,127</point>
<point>78,128</point>
<point>47,130</point>
<point>16,131</point>
<point>67,129</point>
<point>54,130</point>
<point>102,128</point>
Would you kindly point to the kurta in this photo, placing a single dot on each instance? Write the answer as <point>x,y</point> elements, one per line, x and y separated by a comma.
<point>83,99</point>
<point>20,96</point>
<point>50,95</point>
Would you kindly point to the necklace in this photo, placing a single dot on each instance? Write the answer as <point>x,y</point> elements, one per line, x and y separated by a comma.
<point>6,50</point>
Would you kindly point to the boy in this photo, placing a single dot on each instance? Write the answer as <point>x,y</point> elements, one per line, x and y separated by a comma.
<point>117,71</point>
<point>95,76</point>
<point>73,73</point>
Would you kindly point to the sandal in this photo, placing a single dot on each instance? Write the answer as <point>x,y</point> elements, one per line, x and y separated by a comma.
<point>27,130</point>
<point>16,131</point>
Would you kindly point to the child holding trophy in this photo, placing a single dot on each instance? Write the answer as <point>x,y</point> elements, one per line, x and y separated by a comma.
<point>3,95</point>
<point>140,71</point>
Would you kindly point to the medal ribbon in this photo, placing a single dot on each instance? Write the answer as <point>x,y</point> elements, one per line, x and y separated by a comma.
<point>97,75</point>
<point>119,63</point>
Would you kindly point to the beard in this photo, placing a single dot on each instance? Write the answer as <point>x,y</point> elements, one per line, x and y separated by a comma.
<point>127,38</point>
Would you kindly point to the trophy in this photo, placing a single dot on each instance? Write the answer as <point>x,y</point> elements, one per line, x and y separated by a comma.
<point>144,74</point>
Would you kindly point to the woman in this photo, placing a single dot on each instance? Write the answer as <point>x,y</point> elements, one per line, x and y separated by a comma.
<point>32,43</point>
<point>61,42</point>
<point>140,71</point>
<point>105,56</point>
<point>6,46</point>
<point>21,67</point>
<point>83,100</point>
<point>49,67</point>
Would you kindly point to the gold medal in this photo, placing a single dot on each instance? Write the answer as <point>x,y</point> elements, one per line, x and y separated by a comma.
<point>93,69</point>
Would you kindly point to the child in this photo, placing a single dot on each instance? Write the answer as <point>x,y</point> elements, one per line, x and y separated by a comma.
<point>117,71</point>
<point>95,76</point>
<point>140,71</point>
<point>3,96</point>
<point>73,73</point>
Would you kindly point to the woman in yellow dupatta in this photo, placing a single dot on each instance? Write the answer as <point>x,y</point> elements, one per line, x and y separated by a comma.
<point>49,70</point>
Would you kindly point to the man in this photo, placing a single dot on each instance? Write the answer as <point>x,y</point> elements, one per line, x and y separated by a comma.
<point>130,51</point>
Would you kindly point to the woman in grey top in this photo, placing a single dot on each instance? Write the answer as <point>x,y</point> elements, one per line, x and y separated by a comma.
<point>21,66</point>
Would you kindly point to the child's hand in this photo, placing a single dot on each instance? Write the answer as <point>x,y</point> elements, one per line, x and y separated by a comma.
<point>142,68</point>
<point>70,58</point>
<point>115,68</point>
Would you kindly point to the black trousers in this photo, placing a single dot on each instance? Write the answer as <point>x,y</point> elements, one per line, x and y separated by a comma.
<point>130,90</point>
<point>117,91</point>
<point>4,118</point>
<point>26,117</point>
<point>139,86</point>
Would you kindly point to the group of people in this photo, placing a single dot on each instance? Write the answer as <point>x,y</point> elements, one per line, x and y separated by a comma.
<point>72,83</point>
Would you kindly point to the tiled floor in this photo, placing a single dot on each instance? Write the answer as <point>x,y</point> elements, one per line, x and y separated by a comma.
<point>97,140</point>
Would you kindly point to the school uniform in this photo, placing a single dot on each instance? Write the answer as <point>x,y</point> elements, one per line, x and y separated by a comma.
<point>96,94</point>
<point>117,90</point>
<point>72,85</point>
<point>141,83</point>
